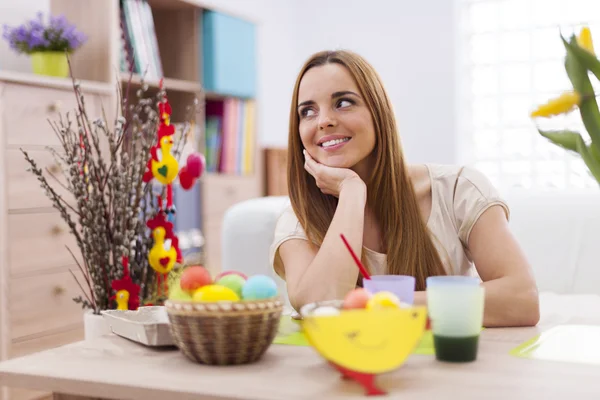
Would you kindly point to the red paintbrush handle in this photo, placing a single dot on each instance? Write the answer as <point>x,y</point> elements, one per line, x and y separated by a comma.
<point>360,266</point>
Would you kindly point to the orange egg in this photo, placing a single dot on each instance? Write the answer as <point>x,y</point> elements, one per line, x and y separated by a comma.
<point>356,298</point>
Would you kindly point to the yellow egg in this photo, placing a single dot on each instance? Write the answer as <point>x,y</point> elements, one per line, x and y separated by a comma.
<point>212,293</point>
<point>382,300</point>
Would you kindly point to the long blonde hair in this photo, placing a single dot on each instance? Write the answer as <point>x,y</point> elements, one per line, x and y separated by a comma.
<point>390,193</point>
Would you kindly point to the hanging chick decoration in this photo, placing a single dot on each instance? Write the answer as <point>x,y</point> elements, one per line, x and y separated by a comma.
<point>160,219</point>
<point>127,294</point>
<point>165,168</point>
<point>165,129</point>
<point>160,259</point>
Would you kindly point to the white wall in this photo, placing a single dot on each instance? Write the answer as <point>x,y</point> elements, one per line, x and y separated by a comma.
<point>410,43</point>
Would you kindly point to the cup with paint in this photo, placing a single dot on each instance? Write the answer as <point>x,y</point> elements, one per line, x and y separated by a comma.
<point>455,305</point>
<point>403,286</point>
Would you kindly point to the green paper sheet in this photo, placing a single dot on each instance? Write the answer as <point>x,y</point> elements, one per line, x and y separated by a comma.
<point>290,333</point>
<point>567,343</point>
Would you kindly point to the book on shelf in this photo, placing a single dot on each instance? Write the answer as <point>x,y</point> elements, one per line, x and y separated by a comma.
<point>139,45</point>
<point>230,136</point>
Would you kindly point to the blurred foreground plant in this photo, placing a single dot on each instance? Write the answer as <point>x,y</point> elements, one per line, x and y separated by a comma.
<point>580,60</point>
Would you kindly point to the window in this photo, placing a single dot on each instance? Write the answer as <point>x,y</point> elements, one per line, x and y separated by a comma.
<point>511,59</point>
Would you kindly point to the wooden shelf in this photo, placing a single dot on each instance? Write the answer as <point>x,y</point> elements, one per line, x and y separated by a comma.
<point>170,84</point>
<point>222,96</point>
<point>173,4</point>
<point>53,82</point>
<point>197,4</point>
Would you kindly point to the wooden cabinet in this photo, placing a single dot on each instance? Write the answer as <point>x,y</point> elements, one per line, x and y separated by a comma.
<point>36,286</point>
<point>276,160</point>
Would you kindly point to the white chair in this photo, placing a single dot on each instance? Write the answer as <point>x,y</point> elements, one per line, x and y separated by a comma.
<point>559,233</point>
<point>248,229</point>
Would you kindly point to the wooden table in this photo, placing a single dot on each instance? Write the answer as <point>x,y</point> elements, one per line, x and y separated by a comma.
<point>115,368</point>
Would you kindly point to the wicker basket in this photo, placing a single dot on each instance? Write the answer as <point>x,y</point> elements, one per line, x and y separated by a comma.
<point>224,333</point>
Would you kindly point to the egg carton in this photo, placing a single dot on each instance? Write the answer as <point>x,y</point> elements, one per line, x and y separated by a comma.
<point>148,325</point>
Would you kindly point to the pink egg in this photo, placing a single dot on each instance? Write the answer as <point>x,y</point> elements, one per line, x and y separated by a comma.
<point>225,273</point>
<point>356,298</point>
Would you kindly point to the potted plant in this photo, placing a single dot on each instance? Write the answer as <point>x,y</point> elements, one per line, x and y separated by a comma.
<point>580,61</point>
<point>47,44</point>
<point>112,170</point>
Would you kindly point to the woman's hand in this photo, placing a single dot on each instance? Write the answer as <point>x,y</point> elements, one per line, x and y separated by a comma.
<point>329,179</point>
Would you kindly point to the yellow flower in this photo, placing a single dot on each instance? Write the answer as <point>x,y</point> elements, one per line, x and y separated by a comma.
<point>584,39</point>
<point>560,105</point>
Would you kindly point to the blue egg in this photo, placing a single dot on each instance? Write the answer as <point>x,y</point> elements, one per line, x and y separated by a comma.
<point>259,287</point>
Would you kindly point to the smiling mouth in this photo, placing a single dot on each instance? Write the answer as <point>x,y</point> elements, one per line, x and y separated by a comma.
<point>331,143</point>
<point>378,346</point>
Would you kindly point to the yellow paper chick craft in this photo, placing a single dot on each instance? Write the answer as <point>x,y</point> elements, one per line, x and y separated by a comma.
<point>165,170</point>
<point>362,343</point>
<point>160,259</point>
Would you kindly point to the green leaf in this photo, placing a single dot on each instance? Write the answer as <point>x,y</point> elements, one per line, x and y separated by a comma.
<point>565,139</point>
<point>585,58</point>
<point>592,164</point>
<point>595,153</point>
<point>578,74</point>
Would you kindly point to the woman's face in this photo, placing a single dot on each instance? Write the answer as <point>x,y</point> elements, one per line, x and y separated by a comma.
<point>336,127</point>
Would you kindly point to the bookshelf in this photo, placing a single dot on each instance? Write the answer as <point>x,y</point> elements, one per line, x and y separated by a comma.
<point>183,42</point>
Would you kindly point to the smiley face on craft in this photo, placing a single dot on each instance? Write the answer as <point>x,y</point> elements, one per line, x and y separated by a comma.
<point>335,124</point>
<point>367,341</point>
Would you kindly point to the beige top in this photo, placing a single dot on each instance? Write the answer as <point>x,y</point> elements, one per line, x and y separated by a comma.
<point>459,195</point>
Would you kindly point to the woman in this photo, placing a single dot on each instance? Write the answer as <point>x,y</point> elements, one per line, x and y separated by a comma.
<point>347,174</point>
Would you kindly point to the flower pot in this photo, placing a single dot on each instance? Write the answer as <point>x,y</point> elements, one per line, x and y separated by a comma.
<point>94,325</point>
<point>51,63</point>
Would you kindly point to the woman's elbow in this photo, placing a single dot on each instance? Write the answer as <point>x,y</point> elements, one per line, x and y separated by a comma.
<point>530,307</point>
<point>301,296</point>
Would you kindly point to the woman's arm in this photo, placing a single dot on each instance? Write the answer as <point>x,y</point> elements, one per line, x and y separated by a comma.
<point>325,273</point>
<point>511,295</point>
<point>511,292</point>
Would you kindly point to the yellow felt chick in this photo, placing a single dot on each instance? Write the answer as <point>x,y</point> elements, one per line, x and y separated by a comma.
<point>560,105</point>
<point>584,39</point>
<point>161,260</point>
<point>166,169</point>
<point>122,299</point>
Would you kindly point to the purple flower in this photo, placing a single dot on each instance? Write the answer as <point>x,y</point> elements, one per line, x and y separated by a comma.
<point>34,35</point>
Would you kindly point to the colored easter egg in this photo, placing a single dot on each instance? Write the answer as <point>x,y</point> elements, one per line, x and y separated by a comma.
<point>195,164</point>
<point>381,300</point>
<point>259,287</point>
<point>193,278</point>
<point>224,273</point>
<point>177,293</point>
<point>232,281</point>
<point>213,293</point>
<point>325,311</point>
<point>186,179</point>
<point>356,298</point>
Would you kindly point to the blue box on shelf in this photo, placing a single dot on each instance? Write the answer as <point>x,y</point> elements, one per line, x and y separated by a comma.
<point>228,55</point>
